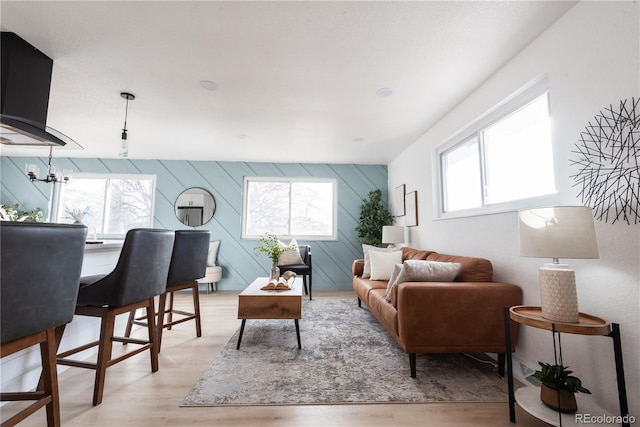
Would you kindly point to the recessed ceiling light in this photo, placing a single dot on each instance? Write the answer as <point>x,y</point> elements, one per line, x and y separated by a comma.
<point>206,84</point>
<point>385,91</point>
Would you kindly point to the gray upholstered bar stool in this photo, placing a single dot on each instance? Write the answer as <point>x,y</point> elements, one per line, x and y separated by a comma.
<point>139,276</point>
<point>40,268</point>
<point>188,264</point>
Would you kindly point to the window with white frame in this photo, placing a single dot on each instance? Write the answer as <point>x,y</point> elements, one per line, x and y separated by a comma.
<point>504,158</point>
<point>108,204</point>
<point>289,207</point>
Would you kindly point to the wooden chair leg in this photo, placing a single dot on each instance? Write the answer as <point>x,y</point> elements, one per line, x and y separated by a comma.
<point>196,309</point>
<point>50,377</point>
<point>161,316</point>
<point>127,331</point>
<point>153,333</point>
<point>170,311</point>
<point>104,355</point>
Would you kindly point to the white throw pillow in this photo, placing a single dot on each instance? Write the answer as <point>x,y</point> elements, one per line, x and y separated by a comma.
<point>292,255</point>
<point>213,253</point>
<point>366,249</point>
<point>383,263</point>
<point>424,271</point>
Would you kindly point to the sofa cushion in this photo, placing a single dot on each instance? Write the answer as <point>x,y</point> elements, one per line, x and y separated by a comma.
<point>366,249</point>
<point>411,253</point>
<point>473,269</point>
<point>424,271</point>
<point>383,263</point>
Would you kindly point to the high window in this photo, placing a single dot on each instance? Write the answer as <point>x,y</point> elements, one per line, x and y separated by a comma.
<point>289,207</point>
<point>109,205</point>
<point>502,159</point>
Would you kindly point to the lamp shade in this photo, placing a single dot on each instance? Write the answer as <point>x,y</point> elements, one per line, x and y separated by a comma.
<point>392,234</point>
<point>557,232</point>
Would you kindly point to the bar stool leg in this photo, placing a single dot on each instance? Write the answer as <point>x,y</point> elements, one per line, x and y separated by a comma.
<point>196,309</point>
<point>153,334</point>
<point>104,355</point>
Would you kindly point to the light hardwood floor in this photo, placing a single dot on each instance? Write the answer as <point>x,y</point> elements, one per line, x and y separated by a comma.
<point>134,396</point>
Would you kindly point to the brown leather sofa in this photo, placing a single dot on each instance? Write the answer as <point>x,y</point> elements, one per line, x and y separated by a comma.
<point>463,316</point>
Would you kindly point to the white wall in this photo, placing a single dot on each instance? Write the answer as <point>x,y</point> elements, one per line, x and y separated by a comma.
<point>591,58</point>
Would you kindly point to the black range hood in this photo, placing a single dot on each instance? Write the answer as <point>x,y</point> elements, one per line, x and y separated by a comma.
<point>26,80</point>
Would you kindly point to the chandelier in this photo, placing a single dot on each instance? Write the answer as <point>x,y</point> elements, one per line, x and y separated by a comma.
<point>53,175</point>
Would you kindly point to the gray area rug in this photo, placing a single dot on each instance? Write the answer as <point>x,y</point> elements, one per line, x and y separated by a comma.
<point>346,357</point>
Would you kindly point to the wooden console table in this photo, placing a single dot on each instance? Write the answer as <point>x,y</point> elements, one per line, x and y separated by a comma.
<point>528,397</point>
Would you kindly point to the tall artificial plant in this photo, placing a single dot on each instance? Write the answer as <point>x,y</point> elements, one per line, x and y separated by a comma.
<point>373,216</point>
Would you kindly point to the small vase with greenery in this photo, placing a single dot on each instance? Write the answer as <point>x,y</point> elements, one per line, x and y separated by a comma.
<point>559,387</point>
<point>373,216</point>
<point>269,244</point>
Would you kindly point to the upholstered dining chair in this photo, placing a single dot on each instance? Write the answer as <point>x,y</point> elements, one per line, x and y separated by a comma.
<point>40,268</point>
<point>139,276</point>
<point>188,264</point>
<point>303,269</point>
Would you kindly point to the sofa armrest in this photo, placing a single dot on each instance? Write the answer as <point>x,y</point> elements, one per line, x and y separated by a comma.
<point>456,316</point>
<point>357,267</point>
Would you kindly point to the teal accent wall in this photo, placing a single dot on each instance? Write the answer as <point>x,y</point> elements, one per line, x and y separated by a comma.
<point>331,259</point>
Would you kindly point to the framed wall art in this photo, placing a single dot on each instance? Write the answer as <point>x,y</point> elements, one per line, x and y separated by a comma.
<point>398,201</point>
<point>411,201</point>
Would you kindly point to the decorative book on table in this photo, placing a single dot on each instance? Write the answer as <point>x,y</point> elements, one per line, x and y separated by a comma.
<point>277,285</point>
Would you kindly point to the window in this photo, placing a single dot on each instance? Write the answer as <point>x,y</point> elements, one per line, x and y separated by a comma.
<point>109,205</point>
<point>507,158</point>
<point>288,207</point>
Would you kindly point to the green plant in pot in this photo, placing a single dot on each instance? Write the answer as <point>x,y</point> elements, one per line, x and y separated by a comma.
<point>559,387</point>
<point>373,216</point>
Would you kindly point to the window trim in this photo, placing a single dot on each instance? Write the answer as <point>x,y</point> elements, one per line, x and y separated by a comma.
<point>87,175</point>
<point>503,109</point>
<point>332,181</point>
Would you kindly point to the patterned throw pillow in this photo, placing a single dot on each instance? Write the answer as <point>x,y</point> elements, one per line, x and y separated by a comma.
<point>366,249</point>
<point>292,255</point>
<point>424,271</point>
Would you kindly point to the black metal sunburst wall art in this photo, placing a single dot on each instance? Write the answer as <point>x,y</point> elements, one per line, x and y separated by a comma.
<point>607,158</point>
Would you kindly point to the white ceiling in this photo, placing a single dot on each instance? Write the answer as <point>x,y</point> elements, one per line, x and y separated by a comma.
<point>297,80</point>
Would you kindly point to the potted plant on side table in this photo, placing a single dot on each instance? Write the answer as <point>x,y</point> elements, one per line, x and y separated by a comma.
<point>559,387</point>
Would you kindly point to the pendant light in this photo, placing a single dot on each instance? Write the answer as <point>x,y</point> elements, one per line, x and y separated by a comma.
<point>124,144</point>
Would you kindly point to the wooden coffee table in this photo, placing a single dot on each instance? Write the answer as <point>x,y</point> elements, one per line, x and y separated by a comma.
<point>254,303</point>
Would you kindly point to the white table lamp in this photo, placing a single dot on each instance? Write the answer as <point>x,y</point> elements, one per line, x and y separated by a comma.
<point>558,232</point>
<point>392,234</point>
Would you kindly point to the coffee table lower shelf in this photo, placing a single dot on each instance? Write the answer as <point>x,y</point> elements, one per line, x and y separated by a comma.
<point>528,398</point>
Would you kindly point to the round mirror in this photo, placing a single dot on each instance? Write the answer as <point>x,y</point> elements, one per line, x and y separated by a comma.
<point>195,207</point>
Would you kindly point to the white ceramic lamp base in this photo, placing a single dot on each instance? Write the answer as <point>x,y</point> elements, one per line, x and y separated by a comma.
<point>558,293</point>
